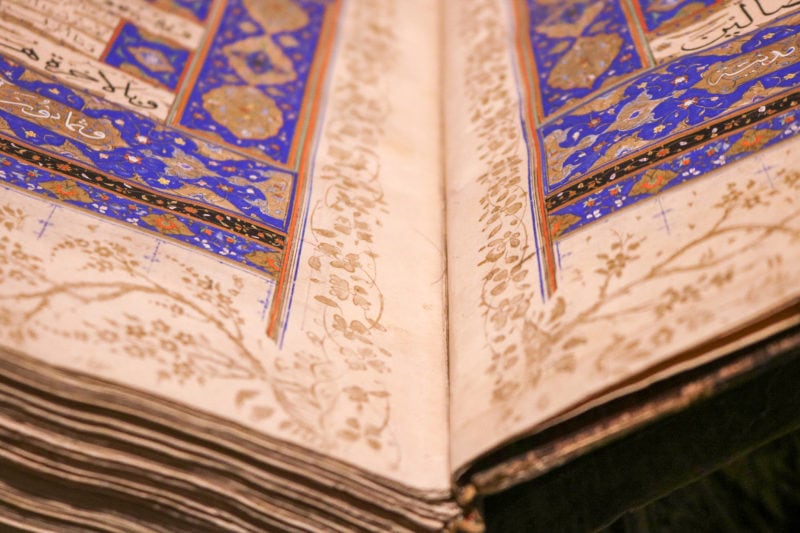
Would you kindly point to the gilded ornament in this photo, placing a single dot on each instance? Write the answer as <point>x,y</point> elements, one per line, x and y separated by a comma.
<point>588,58</point>
<point>152,58</point>
<point>636,113</point>
<point>558,24</point>
<point>652,182</point>
<point>725,77</point>
<point>185,166</point>
<point>67,190</point>
<point>69,151</point>
<point>561,223</point>
<point>99,133</point>
<point>245,111</point>
<point>167,224</point>
<point>259,61</point>
<point>205,195</point>
<point>276,15</point>
<point>751,141</point>
<point>277,190</point>
<point>271,261</point>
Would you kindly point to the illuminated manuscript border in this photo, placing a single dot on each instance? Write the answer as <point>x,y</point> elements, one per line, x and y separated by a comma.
<point>196,125</point>
<point>615,110</point>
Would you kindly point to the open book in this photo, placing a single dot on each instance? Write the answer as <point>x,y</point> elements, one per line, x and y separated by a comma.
<point>323,264</point>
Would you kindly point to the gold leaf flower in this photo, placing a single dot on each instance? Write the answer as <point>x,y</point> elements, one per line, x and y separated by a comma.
<point>751,141</point>
<point>561,223</point>
<point>271,261</point>
<point>167,224</point>
<point>652,181</point>
<point>67,190</point>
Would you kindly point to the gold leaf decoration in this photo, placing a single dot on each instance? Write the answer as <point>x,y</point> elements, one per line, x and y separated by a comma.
<point>167,224</point>
<point>67,190</point>
<point>561,223</point>
<point>652,182</point>
<point>268,260</point>
<point>588,58</point>
<point>751,141</point>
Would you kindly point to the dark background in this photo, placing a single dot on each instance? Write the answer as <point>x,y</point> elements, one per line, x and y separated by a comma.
<point>729,463</point>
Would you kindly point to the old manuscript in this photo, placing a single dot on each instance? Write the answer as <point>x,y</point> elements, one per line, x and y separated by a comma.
<point>305,264</point>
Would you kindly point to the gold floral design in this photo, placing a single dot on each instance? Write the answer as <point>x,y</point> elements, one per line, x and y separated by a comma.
<point>179,163</point>
<point>652,181</point>
<point>701,266</point>
<point>556,27</point>
<point>639,111</point>
<point>751,140</point>
<point>246,111</point>
<point>277,16</point>
<point>330,395</point>
<point>508,244</point>
<point>167,224</point>
<point>345,367</point>
<point>154,58</point>
<point>240,56</point>
<point>556,155</point>
<point>11,218</point>
<point>632,115</point>
<point>205,195</point>
<point>561,223</point>
<point>277,190</point>
<point>587,59</point>
<point>31,295</point>
<point>197,336</point>
<point>67,190</point>
<point>268,260</point>
<point>68,150</point>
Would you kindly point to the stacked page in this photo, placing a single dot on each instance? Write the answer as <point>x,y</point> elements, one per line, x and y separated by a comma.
<point>210,213</point>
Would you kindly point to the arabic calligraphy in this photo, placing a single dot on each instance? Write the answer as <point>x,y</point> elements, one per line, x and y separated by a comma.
<point>155,21</point>
<point>734,19</point>
<point>57,117</point>
<point>732,25</point>
<point>98,20</point>
<point>76,126</point>
<point>78,70</point>
<point>725,76</point>
<point>752,66</point>
<point>108,135</point>
<point>66,27</point>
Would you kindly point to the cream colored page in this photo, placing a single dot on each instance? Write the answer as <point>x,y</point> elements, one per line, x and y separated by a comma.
<point>361,371</point>
<point>633,290</point>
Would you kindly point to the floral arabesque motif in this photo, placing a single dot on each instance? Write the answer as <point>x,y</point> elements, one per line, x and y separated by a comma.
<point>191,332</point>
<point>343,389</point>
<point>700,266</point>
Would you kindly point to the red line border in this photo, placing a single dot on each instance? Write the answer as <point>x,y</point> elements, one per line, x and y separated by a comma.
<point>531,100</point>
<point>313,100</point>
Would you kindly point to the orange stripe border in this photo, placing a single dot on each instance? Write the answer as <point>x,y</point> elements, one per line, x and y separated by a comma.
<point>313,98</point>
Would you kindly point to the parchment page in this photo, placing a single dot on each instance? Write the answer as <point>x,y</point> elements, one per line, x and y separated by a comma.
<point>612,201</point>
<point>236,206</point>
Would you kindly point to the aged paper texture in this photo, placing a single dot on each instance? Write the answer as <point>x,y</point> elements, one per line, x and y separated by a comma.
<point>356,368</point>
<point>651,266</point>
